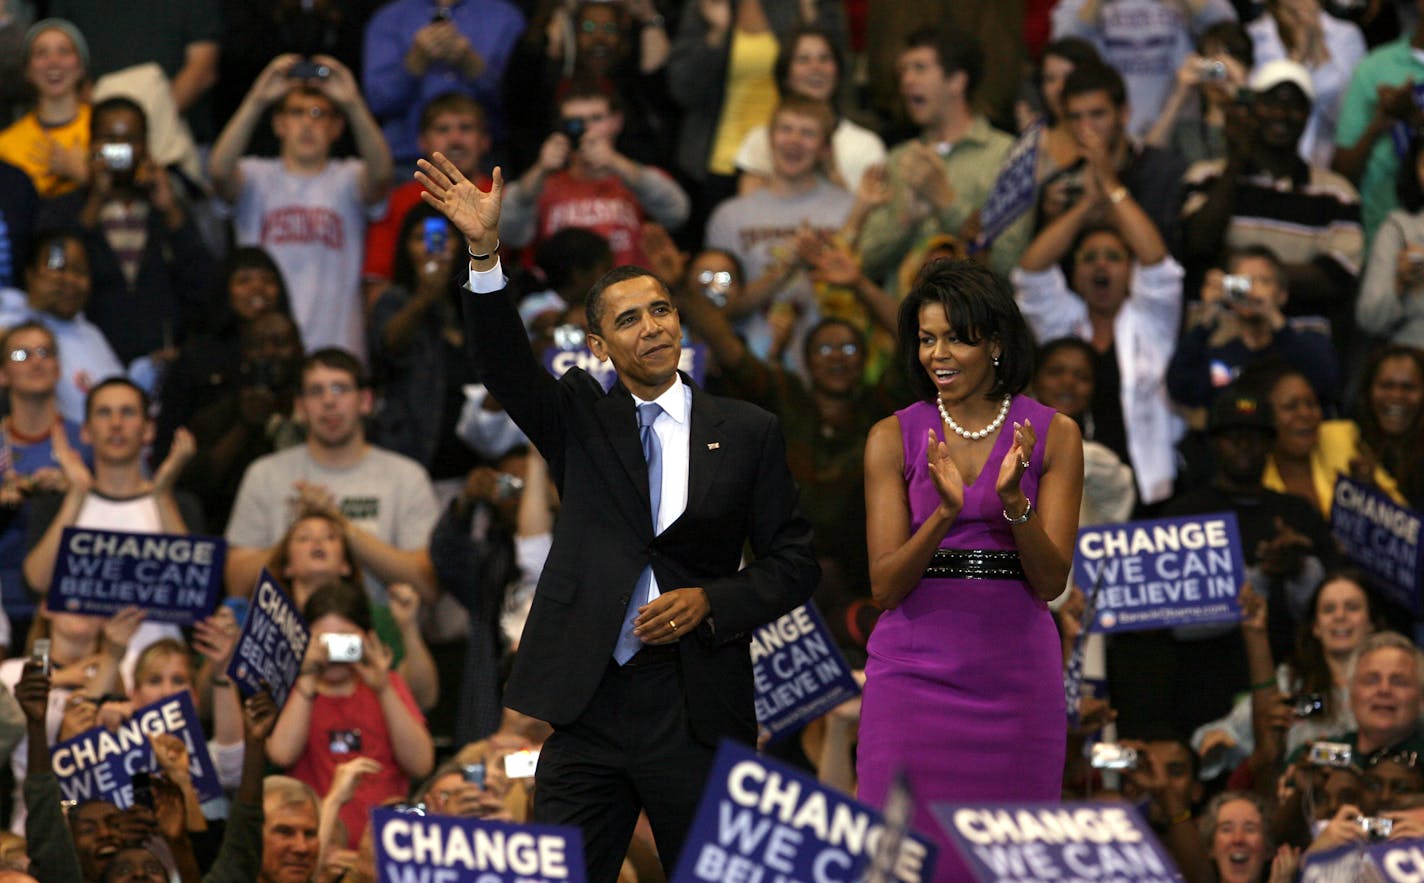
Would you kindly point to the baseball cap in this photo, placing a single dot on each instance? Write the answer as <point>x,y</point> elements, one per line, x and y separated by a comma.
<point>1282,70</point>
<point>1240,410</point>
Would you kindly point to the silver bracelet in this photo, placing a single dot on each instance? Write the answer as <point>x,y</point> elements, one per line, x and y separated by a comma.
<point>485,256</point>
<point>1028,511</point>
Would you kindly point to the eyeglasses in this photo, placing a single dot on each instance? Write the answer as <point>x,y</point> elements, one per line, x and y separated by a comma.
<point>34,352</point>
<point>313,112</point>
<point>320,390</point>
<point>593,27</point>
<point>719,278</point>
<point>1110,255</point>
<point>829,349</point>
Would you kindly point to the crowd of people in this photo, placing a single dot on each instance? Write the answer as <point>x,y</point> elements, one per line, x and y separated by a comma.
<point>1134,258</point>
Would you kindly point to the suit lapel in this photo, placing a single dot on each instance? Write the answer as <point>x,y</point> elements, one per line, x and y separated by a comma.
<point>705,441</point>
<point>615,413</point>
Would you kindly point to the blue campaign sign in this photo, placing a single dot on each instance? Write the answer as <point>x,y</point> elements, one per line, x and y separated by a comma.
<point>174,577</point>
<point>762,820</point>
<point>1382,538</point>
<point>1395,861</point>
<point>99,764</point>
<point>271,644</point>
<point>1056,841</point>
<point>799,672</point>
<point>557,361</point>
<point>449,849</point>
<point>1014,190</point>
<point>1162,573</point>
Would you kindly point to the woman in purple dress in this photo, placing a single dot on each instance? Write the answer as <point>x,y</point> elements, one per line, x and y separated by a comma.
<point>972,500</point>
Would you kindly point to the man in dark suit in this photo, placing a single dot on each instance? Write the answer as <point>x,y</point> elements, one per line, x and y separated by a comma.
<point>636,649</point>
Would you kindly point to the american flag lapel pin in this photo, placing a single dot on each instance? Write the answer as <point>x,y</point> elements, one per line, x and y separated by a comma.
<point>712,446</point>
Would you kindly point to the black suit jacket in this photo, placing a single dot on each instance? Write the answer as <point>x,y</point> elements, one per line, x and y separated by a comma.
<point>740,492</point>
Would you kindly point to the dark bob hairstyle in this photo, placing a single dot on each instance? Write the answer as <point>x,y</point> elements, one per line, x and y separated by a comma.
<point>980,307</point>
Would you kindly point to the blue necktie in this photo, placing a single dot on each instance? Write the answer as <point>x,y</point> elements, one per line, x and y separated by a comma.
<point>629,643</point>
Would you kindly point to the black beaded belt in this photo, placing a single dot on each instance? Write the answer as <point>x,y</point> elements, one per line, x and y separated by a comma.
<point>975,564</point>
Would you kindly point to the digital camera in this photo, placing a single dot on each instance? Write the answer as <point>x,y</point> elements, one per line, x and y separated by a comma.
<point>342,648</point>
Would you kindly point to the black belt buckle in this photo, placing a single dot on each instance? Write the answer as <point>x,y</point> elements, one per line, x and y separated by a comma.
<point>652,654</point>
<point>975,564</point>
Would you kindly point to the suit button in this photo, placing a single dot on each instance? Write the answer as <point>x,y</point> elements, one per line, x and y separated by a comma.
<point>623,600</point>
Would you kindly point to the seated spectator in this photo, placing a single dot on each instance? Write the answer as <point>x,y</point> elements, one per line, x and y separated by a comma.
<point>1192,122</point>
<point>51,142</point>
<point>29,372</point>
<point>1146,40</point>
<point>581,180</point>
<point>761,228</point>
<point>417,332</point>
<point>1379,108</point>
<point>1065,377</point>
<point>1341,613</point>
<point>305,208</point>
<point>1096,110</point>
<point>940,179</point>
<point>810,64</point>
<point>57,286</point>
<point>453,124</point>
<point>145,253</point>
<point>314,553</point>
<point>411,56</point>
<point>383,500</point>
<point>1125,299</point>
<point>1263,193</point>
<point>1310,454</point>
<point>340,710</point>
<point>1392,416</point>
<point>247,284</point>
<point>1235,327</point>
<point>19,204</point>
<point>1391,303</point>
<point>1328,47</point>
<point>1286,546</point>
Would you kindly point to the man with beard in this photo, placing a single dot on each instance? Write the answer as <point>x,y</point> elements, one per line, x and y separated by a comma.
<point>1263,193</point>
<point>1125,299</point>
<point>383,499</point>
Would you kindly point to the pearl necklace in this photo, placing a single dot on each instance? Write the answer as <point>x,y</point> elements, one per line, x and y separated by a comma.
<point>974,436</point>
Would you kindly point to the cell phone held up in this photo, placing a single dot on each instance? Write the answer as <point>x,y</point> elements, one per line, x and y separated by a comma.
<point>39,655</point>
<point>306,69</point>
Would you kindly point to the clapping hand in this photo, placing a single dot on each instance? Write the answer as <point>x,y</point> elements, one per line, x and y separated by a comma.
<point>947,479</point>
<point>1015,463</point>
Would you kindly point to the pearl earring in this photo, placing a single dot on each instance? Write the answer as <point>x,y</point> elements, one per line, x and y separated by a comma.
<point>996,361</point>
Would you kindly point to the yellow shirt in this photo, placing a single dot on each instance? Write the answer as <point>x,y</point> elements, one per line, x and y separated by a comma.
<point>750,97</point>
<point>27,144</point>
<point>1336,445</point>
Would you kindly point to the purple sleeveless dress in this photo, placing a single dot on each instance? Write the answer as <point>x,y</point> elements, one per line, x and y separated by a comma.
<point>964,688</point>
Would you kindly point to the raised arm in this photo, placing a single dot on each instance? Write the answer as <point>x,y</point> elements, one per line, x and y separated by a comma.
<point>269,86</point>
<point>38,566</point>
<point>342,89</point>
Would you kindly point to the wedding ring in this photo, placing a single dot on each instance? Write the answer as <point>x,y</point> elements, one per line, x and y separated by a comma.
<point>1023,463</point>
<point>672,624</point>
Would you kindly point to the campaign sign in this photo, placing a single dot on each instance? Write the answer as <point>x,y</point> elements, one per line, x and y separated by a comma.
<point>557,361</point>
<point>99,764</point>
<point>1382,538</point>
<point>271,644</point>
<point>1162,573</point>
<point>1014,190</point>
<point>1056,841</point>
<point>762,820</point>
<point>414,848</point>
<point>799,672</point>
<point>174,577</point>
<point>1391,861</point>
